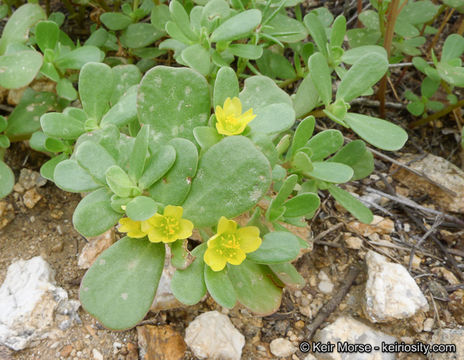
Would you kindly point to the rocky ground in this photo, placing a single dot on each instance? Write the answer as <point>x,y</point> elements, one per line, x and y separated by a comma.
<point>398,284</point>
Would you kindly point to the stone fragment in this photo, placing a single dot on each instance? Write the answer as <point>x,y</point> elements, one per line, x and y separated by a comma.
<point>132,352</point>
<point>310,357</point>
<point>282,347</point>
<point>7,214</point>
<point>379,225</point>
<point>29,302</point>
<point>325,285</point>
<point>353,242</point>
<point>428,324</point>
<point>95,246</point>
<point>416,261</point>
<point>448,336</point>
<point>66,350</point>
<point>446,274</point>
<point>29,179</point>
<point>346,329</point>
<point>391,293</point>
<point>442,172</point>
<point>160,343</point>
<point>97,355</point>
<point>211,335</point>
<point>164,298</point>
<point>31,197</point>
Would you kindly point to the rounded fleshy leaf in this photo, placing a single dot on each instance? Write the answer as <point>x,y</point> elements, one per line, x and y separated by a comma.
<point>277,247</point>
<point>7,179</point>
<point>173,101</point>
<point>119,288</point>
<point>220,287</point>
<point>19,69</point>
<point>232,177</point>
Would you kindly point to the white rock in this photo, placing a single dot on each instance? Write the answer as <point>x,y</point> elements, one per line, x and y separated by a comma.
<point>353,242</point>
<point>211,335</point>
<point>29,302</point>
<point>448,336</point>
<point>94,247</point>
<point>282,347</point>
<point>346,329</point>
<point>310,357</point>
<point>97,355</point>
<point>164,298</point>
<point>325,286</point>
<point>391,293</point>
<point>428,324</point>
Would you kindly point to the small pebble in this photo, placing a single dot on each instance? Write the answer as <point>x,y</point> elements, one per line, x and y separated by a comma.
<point>97,355</point>
<point>282,347</point>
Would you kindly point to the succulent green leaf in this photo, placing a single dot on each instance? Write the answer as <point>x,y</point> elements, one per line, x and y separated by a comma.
<point>220,287</point>
<point>173,101</point>
<point>290,276</point>
<point>140,35</point>
<point>301,162</point>
<point>225,85</point>
<point>69,176</point>
<point>46,35</point>
<point>286,29</point>
<point>160,16</point>
<point>95,89</point>
<point>246,51</point>
<point>19,69</point>
<point>77,58</point>
<point>301,205</point>
<point>141,208</point>
<point>453,47</point>
<point>61,126</point>
<point>238,26</point>
<point>259,92</point>
<point>124,111</point>
<point>25,118</point>
<point>325,143</point>
<point>198,58</point>
<point>273,119</point>
<point>94,215</point>
<point>180,17</point>
<point>7,180</point>
<point>158,165</point>
<point>451,74</point>
<point>306,97</point>
<point>358,157</point>
<point>277,247</point>
<point>115,21</point>
<point>338,31</point>
<point>254,287</point>
<point>362,76</point>
<point>47,170</point>
<point>17,28</point>
<point>331,172</point>
<point>206,136</point>
<point>119,288</point>
<point>98,38</point>
<point>139,153</point>
<point>285,190</point>
<point>378,132</point>
<point>275,65</point>
<point>317,31</point>
<point>65,89</point>
<point>232,177</point>
<point>124,78</point>
<point>302,134</point>
<point>352,55</point>
<point>95,159</point>
<point>188,285</point>
<point>350,203</point>
<point>120,183</point>
<point>173,188</point>
<point>180,256</point>
<point>320,75</point>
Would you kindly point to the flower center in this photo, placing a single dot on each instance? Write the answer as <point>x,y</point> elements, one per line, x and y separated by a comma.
<point>231,120</point>
<point>170,225</point>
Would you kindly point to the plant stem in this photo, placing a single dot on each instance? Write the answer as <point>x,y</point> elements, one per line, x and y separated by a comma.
<point>393,12</point>
<point>135,5</point>
<point>440,29</point>
<point>287,82</point>
<point>437,115</point>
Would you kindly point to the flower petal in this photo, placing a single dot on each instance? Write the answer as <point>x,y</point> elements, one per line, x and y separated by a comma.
<point>156,236</point>
<point>214,260</point>
<point>236,256</point>
<point>248,238</point>
<point>235,107</point>
<point>127,224</point>
<point>186,229</point>
<point>247,116</point>
<point>214,241</point>
<point>226,226</point>
<point>174,211</point>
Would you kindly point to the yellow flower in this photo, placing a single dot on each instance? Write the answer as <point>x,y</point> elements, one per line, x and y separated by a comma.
<point>230,244</point>
<point>131,227</point>
<point>230,120</point>
<point>168,227</point>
